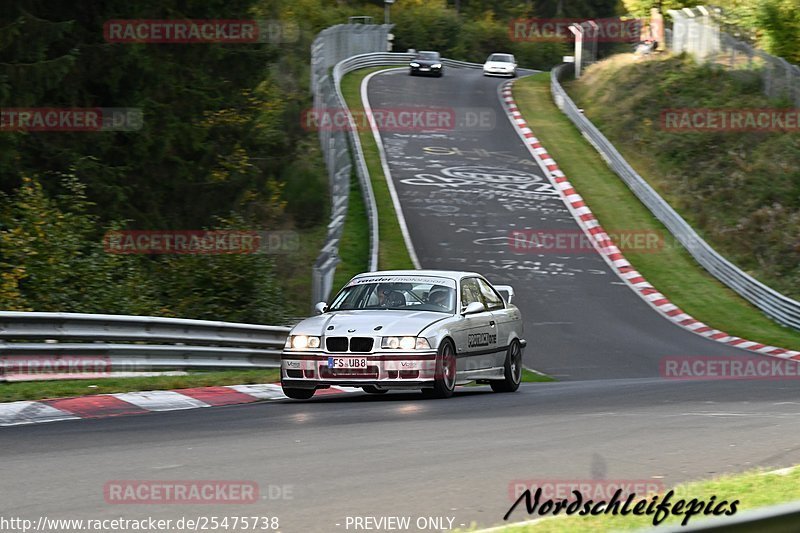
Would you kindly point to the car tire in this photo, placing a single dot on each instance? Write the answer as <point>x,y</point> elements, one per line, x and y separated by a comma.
<point>444,382</point>
<point>512,370</point>
<point>410,72</point>
<point>298,394</point>
<point>372,389</point>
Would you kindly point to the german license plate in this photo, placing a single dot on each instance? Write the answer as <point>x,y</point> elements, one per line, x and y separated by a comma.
<point>347,362</point>
<point>424,69</point>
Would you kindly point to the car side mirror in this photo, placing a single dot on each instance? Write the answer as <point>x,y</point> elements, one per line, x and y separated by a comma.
<point>321,307</point>
<point>474,307</point>
<point>506,291</point>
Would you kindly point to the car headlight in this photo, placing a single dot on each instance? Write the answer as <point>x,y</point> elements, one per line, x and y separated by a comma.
<point>405,343</point>
<point>414,64</point>
<point>301,342</point>
<point>436,65</point>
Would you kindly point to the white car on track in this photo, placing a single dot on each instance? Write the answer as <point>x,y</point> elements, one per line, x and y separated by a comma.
<point>408,329</point>
<point>500,65</point>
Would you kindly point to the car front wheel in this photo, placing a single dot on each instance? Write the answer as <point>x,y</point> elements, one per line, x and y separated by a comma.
<point>512,370</point>
<point>445,379</point>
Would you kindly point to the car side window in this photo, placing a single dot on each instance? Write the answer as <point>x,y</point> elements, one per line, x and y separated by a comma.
<point>492,299</point>
<point>470,292</point>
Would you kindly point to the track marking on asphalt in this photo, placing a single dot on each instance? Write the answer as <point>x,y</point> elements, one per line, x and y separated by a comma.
<point>166,467</point>
<point>262,392</point>
<point>537,372</point>
<point>161,400</point>
<point>781,471</point>
<point>28,412</point>
<point>759,415</point>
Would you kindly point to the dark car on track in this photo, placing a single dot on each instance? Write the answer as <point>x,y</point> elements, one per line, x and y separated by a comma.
<point>426,63</point>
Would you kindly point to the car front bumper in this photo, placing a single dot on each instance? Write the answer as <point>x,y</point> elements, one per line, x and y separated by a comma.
<point>404,370</point>
<point>426,70</point>
<point>498,72</point>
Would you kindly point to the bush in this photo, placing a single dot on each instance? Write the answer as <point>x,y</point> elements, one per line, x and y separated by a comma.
<point>53,257</point>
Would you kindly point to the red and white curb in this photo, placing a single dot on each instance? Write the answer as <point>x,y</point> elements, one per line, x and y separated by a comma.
<point>136,403</point>
<point>605,246</point>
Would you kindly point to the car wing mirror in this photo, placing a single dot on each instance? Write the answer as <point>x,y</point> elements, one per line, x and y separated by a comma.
<point>473,307</point>
<point>320,308</point>
<point>506,291</point>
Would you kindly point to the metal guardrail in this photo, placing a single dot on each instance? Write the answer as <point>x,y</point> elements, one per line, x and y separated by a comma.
<point>329,48</point>
<point>781,308</point>
<point>139,342</point>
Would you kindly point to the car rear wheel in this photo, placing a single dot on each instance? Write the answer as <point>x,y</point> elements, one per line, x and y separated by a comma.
<point>298,394</point>
<point>444,382</point>
<point>512,370</point>
<point>371,389</point>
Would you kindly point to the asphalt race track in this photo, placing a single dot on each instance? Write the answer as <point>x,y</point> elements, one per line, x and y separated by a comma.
<point>610,417</point>
<point>583,322</point>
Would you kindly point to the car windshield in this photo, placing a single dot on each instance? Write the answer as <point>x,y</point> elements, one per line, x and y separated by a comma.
<point>428,56</point>
<point>405,295</point>
<point>502,58</point>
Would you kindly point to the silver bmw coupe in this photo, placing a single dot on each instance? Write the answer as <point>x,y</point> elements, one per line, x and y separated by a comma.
<point>408,329</point>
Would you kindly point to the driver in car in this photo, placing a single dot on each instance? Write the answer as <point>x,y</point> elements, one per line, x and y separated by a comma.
<point>388,297</point>
<point>438,297</point>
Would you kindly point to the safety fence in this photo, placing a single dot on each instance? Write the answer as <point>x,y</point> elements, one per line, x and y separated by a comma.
<point>698,31</point>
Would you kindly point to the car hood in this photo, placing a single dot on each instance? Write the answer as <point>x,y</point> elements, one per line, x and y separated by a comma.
<point>498,64</point>
<point>364,322</point>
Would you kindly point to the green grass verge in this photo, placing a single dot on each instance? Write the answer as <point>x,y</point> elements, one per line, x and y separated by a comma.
<point>671,270</point>
<point>40,390</point>
<point>752,489</point>
<point>392,252</point>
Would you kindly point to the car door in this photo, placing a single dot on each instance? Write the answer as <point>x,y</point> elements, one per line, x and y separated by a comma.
<point>476,335</point>
<point>500,316</point>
